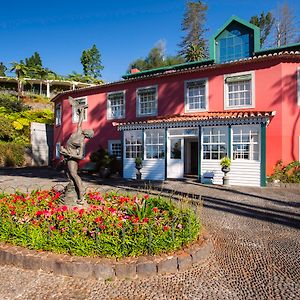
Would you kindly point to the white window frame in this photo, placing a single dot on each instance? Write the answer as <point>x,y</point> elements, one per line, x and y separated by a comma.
<point>226,98</point>
<point>109,105</point>
<point>74,113</point>
<point>138,112</point>
<point>186,98</point>
<point>210,143</point>
<point>130,146</point>
<point>257,128</point>
<point>58,107</point>
<point>151,144</point>
<point>57,149</point>
<point>298,86</point>
<point>110,147</point>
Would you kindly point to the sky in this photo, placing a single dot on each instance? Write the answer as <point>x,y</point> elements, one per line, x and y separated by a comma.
<point>59,30</point>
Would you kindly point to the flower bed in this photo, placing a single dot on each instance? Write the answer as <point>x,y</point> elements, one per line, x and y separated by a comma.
<point>113,225</point>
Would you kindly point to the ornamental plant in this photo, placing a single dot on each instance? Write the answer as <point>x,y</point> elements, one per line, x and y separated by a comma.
<point>113,225</point>
<point>225,162</point>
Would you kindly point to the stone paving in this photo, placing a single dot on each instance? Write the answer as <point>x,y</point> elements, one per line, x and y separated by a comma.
<point>255,233</point>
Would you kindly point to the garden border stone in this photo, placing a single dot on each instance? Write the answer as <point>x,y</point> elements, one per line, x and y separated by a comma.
<point>107,269</point>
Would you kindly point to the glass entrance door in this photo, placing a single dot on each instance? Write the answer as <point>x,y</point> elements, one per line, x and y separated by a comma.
<point>175,159</point>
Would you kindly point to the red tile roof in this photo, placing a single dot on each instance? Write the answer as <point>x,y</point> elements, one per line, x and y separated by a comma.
<point>201,116</point>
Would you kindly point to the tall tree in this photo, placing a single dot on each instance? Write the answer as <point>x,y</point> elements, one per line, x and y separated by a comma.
<point>21,71</point>
<point>2,69</point>
<point>91,62</point>
<point>265,23</point>
<point>285,26</point>
<point>193,25</point>
<point>34,60</point>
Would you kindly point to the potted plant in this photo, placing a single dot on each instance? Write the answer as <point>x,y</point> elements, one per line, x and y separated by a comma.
<point>138,166</point>
<point>225,167</point>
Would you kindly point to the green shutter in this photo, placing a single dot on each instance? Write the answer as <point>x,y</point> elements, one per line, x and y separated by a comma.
<point>238,78</point>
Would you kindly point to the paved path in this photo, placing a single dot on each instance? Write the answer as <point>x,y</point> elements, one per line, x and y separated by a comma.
<point>255,233</point>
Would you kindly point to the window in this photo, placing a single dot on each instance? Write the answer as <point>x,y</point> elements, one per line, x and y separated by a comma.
<point>175,148</point>
<point>239,91</point>
<point>245,142</point>
<point>154,144</point>
<point>147,101</point>
<point>214,142</point>
<point>133,143</point>
<point>114,148</point>
<point>58,114</point>
<point>196,95</point>
<point>57,149</point>
<point>74,112</point>
<point>116,105</point>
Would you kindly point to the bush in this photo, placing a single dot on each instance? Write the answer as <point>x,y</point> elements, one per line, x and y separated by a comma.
<point>286,174</point>
<point>11,103</point>
<point>12,154</point>
<point>113,225</point>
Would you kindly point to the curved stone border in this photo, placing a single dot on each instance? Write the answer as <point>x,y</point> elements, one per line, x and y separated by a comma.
<point>100,268</point>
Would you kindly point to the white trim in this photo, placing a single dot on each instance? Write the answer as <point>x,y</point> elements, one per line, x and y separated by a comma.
<point>186,109</point>
<point>138,114</point>
<point>75,120</point>
<point>57,149</point>
<point>58,120</point>
<point>298,87</point>
<point>108,106</point>
<point>110,143</point>
<point>252,73</point>
<point>145,144</point>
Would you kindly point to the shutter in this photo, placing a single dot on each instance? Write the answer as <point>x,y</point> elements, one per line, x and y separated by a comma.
<point>238,78</point>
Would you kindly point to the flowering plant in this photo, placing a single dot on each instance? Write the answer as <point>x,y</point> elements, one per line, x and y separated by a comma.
<point>113,225</point>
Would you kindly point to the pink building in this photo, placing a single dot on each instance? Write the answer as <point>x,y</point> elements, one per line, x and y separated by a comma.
<point>242,102</point>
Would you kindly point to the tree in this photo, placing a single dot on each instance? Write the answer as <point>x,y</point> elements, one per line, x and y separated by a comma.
<point>34,60</point>
<point>2,69</point>
<point>265,23</point>
<point>91,62</point>
<point>32,63</point>
<point>21,70</point>
<point>285,26</point>
<point>194,26</point>
<point>155,59</point>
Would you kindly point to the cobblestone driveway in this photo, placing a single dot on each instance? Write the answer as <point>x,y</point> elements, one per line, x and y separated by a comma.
<point>256,254</point>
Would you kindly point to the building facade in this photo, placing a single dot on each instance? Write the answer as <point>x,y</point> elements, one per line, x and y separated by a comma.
<point>242,102</point>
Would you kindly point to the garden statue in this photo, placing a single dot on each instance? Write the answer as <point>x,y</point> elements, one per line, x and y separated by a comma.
<point>73,152</point>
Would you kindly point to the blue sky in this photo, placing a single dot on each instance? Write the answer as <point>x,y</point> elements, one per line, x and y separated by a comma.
<point>122,30</point>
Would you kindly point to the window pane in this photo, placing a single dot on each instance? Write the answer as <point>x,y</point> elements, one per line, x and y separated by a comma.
<point>176,148</point>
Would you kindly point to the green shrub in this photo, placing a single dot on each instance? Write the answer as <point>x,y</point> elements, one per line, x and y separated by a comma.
<point>113,225</point>
<point>12,154</point>
<point>286,174</point>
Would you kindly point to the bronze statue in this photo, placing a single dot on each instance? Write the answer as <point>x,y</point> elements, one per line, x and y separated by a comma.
<point>73,152</point>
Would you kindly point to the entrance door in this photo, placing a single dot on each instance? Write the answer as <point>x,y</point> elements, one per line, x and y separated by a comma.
<point>194,158</point>
<point>175,158</point>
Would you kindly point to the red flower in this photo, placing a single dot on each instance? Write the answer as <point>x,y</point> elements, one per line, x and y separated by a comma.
<point>145,220</point>
<point>155,209</point>
<point>52,228</point>
<point>64,208</point>
<point>166,228</point>
<point>146,196</point>
<point>12,212</point>
<point>60,218</point>
<point>39,213</point>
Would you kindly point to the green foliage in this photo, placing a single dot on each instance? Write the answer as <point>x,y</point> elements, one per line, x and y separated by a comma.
<point>2,69</point>
<point>34,60</point>
<point>265,23</point>
<point>113,226</point>
<point>11,154</point>
<point>286,174</point>
<point>225,162</point>
<point>155,59</point>
<point>11,103</point>
<point>194,44</point>
<point>91,62</point>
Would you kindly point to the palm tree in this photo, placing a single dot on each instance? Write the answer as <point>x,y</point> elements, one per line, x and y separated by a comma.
<point>21,70</point>
<point>42,74</point>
